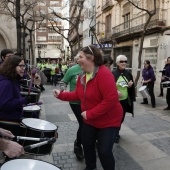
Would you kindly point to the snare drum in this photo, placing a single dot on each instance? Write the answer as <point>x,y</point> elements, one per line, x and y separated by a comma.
<point>34,96</point>
<point>28,164</point>
<point>165,84</point>
<point>144,92</point>
<point>39,129</point>
<point>31,111</point>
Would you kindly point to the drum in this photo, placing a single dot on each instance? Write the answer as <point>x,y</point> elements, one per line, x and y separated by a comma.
<point>144,92</point>
<point>33,89</point>
<point>39,129</point>
<point>165,84</point>
<point>34,96</point>
<point>31,111</point>
<point>28,164</point>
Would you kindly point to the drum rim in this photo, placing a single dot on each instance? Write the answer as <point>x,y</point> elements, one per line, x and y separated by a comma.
<point>32,160</point>
<point>142,87</point>
<point>37,109</point>
<point>33,119</point>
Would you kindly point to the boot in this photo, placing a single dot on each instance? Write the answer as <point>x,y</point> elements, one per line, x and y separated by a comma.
<point>78,151</point>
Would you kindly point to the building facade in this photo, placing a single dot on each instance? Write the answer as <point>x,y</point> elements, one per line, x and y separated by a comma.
<point>120,23</point>
<point>48,42</point>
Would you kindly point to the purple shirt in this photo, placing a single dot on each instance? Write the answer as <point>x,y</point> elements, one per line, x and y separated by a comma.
<point>11,102</point>
<point>148,74</point>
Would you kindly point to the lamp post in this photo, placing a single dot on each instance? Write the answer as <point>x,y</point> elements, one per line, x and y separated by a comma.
<point>29,56</point>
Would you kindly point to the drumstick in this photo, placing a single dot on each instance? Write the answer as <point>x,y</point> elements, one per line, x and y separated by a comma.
<point>32,79</point>
<point>17,138</point>
<point>29,147</point>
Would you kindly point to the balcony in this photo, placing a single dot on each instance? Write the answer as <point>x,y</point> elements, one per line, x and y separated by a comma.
<point>107,6</point>
<point>136,25</point>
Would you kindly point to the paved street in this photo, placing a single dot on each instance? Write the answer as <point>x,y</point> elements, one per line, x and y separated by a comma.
<point>144,143</point>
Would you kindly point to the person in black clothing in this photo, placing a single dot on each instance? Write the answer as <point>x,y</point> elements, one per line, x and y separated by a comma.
<point>125,87</point>
<point>162,79</point>
<point>167,78</point>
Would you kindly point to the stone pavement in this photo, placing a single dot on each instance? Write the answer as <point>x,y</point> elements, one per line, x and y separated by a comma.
<point>144,143</point>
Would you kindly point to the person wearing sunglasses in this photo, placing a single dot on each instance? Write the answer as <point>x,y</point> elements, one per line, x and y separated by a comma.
<point>5,53</point>
<point>11,102</point>
<point>101,109</point>
<point>149,80</point>
<point>125,88</point>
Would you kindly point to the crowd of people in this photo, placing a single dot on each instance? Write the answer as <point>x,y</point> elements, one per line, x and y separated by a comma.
<point>98,96</point>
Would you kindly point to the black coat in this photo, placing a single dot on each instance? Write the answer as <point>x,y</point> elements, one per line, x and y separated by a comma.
<point>131,90</point>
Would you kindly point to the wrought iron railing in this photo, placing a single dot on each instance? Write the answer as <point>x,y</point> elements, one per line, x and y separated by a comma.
<point>137,24</point>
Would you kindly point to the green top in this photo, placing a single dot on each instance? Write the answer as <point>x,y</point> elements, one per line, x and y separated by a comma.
<point>88,76</point>
<point>122,87</point>
<point>71,77</point>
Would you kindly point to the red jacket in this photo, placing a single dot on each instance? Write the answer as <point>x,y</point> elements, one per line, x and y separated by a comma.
<point>99,98</point>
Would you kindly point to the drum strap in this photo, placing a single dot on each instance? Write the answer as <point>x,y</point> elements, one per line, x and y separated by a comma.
<point>124,79</point>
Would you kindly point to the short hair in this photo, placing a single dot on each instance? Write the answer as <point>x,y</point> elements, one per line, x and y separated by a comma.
<point>168,58</point>
<point>147,62</point>
<point>92,50</point>
<point>107,59</point>
<point>4,52</point>
<point>119,57</point>
<point>8,67</point>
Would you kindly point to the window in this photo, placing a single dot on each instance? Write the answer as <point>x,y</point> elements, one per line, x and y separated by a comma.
<point>54,37</point>
<point>42,29</point>
<point>126,21</point>
<point>54,3</point>
<point>126,15</point>
<point>41,38</point>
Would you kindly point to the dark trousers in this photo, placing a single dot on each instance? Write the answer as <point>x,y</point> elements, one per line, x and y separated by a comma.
<point>168,97</point>
<point>105,140</point>
<point>76,108</point>
<point>124,104</point>
<point>150,88</point>
<point>161,89</point>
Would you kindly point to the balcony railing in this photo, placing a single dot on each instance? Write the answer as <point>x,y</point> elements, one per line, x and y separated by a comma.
<point>108,4</point>
<point>137,24</point>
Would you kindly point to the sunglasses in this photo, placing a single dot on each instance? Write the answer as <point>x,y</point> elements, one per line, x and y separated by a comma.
<point>123,61</point>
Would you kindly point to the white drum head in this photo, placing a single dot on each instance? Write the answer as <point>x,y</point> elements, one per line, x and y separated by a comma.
<point>39,124</point>
<point>31,108</point>
<point>166,82</point>
<point>142,88</point>
<point>27,164</point>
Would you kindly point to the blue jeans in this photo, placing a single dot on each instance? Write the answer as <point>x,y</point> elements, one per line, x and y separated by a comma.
<point>105,140</point>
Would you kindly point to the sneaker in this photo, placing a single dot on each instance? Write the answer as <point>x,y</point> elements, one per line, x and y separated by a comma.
<point>89,169</point>
<point>144,103</point>
<point>167,108</point>
<point>161,95</point>
<point>78,151</point>
<point>153,106</point>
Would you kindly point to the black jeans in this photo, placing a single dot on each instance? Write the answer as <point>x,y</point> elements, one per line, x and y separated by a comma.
<point>105,140</point>
<point>150,88</point>
<point>76,108</point>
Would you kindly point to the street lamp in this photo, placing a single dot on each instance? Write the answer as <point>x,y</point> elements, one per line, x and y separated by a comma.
<point>29,56</point>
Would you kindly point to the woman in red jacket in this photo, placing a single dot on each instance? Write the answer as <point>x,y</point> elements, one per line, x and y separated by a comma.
<point>101,109</point>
